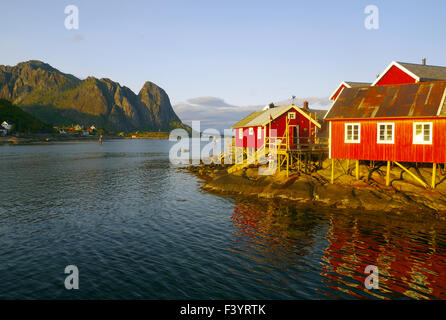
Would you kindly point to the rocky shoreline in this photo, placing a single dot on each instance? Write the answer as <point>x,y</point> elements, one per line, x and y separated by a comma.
<point>367,193</point>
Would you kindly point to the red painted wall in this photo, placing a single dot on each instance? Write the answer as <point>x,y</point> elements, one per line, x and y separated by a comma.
<point>402,149</point>
<point>279,124</point>
<point>251,139</point>
<point>248,141</point>
<point>304,126</point>
<point>239,142</point>
<point>395,76</point>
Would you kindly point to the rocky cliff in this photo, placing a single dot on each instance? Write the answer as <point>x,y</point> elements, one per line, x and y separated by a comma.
<point>63,99</point>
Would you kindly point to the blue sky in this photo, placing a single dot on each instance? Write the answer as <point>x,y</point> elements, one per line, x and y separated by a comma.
<point>245,52</point>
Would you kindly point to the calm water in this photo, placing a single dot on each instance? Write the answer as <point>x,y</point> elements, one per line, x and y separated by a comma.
<point>137,227</point>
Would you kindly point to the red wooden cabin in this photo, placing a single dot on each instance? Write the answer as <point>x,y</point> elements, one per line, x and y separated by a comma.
<point>398,73</point>
<point>402,122</point>
<point>251,131</point>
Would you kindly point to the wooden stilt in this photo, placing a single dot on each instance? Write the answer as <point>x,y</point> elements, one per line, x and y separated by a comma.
<point>306,163</point>
<point>298,161</point>
<point>357,170</point>
<point>332,171</point>
<point>411,174</point>
<point>434,175</point>
<point>388,174</point>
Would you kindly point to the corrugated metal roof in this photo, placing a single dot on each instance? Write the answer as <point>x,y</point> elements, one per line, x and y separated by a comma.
<point>260,118</point>
<point>247,119</point>
<point>358,84</point>
<point>403,100</point>
<point>426,72</point>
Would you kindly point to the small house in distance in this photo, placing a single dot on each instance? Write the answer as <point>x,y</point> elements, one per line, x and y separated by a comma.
<point>6,125</point>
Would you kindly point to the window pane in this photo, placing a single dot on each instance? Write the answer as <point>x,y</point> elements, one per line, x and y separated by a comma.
<point>418,129</point>
<point>389,132</point>
<point>427,132</point>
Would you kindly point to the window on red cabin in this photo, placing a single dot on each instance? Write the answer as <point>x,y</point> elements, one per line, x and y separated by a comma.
<point>422,133</point>
<point>240,133</point>
<point>259,133</point>
<point>386,132</point>
<point>352,133</point>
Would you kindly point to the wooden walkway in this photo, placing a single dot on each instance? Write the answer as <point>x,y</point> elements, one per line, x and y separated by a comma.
<point>304,157</point>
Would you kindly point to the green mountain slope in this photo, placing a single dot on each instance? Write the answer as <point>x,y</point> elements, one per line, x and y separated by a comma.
<point>22,121</point>
<point>62,99</point>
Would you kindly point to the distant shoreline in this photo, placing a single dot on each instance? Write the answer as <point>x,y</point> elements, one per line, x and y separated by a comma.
<point>45,139</point>
<point>48,139</point>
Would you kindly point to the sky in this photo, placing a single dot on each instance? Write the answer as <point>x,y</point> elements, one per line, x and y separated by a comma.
<point>224,54</point>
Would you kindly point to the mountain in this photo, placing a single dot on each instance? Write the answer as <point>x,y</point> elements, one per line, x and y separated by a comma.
<point>62,99</point>
<point>21,120</point>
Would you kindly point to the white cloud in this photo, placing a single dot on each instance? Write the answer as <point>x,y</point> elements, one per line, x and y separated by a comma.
<point>209,101</point>
<point>215,113</point>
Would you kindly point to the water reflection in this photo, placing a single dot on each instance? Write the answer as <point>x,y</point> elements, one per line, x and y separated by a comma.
<point>138,228</point>
<point>409,250</point>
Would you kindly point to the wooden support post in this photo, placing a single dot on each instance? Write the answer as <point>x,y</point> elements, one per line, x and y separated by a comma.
<point>413,176</point>
<point>332,171</point>
<point>287,160</point>
<point>388,174</point>
<point>434,175</point>
<point>306,163</point>
<point>357,170</point>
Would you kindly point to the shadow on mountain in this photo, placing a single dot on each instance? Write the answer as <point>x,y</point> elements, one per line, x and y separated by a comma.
<point>63,117</point>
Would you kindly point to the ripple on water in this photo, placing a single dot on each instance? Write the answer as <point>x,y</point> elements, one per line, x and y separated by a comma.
<point>139,228</point>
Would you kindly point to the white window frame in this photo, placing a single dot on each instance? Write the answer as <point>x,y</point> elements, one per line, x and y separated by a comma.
<point>250,131</point>
<point>240,133</point>
<point>378,132</point>
<point>259,133</point>
<point>345,133</point>
<point>423,123</point>
<point>292,115</point>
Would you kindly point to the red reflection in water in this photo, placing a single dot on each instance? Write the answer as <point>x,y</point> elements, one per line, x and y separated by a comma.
<point>411,263</point>
<point>410,251</point>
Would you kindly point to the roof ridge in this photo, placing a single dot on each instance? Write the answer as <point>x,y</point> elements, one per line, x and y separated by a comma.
<point>420,65</point>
